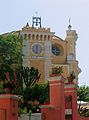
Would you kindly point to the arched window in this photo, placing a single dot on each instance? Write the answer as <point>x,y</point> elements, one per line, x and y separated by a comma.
<point>37,37</point>
<point>41,37</point>
<point>25,36</point>
<point>29,36</point>
<point>45,37</point>
<point>57,50</point>
<point>48,37</point>
<point>33,37</point>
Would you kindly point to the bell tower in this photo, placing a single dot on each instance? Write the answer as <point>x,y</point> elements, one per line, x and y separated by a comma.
<point>71,38</point>
<point>37,47</point>
<point>36,21</point>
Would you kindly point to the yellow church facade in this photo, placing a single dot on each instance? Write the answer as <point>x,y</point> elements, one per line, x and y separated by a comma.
<point>44,50</point>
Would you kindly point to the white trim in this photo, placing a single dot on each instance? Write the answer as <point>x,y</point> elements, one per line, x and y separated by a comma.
<point>55,84</point>
<point>68,111</point>
<point>54,78</point>
<point>69,91</point>
<point>8,96</point>
<point>47,106</point>
<point>70,86</point>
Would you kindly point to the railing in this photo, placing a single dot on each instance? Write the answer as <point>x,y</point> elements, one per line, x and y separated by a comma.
<point>2,114</point>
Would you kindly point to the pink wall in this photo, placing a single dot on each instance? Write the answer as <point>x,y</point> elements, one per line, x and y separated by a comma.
<point>57,97</point>
<point>56,109</point>
<point>73,92</point>
<point>51,114</point>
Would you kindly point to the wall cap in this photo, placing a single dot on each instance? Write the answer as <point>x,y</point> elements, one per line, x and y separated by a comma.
<point>10,96</point>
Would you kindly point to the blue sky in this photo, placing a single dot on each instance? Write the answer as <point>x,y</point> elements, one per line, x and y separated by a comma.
<point>55,14</point>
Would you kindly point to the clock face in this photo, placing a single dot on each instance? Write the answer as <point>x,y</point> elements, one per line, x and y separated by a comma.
<point>56,50</point>
<point>37,48</point>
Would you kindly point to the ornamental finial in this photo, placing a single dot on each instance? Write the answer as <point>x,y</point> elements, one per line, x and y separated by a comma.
<point>69,26</point>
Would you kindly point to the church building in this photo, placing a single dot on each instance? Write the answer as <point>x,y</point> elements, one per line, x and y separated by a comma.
<point>44,50</point>
<point>55,58</point>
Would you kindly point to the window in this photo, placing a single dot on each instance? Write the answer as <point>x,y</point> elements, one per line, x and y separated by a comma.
<point>41,37</point>
<point>56,50</point>
<point>29,36</point>
<point>33,37</point>
<point>48,37</point>
<point>44,37</point>
<point>37,37</point>
<point>25,36</point>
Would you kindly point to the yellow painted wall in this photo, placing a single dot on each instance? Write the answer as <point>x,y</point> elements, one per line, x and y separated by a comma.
<point>39,64</point>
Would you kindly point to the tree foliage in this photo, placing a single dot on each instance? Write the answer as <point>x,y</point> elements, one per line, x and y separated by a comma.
<point>30,76</point>
<point>10,50</point>
<point>40,92</point>
<point>83,93</point>
<point>37,95</point>
<point>23,79</point>
<point>84,112</point>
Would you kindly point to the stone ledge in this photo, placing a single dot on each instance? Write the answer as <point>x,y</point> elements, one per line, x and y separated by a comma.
<point>47,106</point>
<point>6,96</point>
